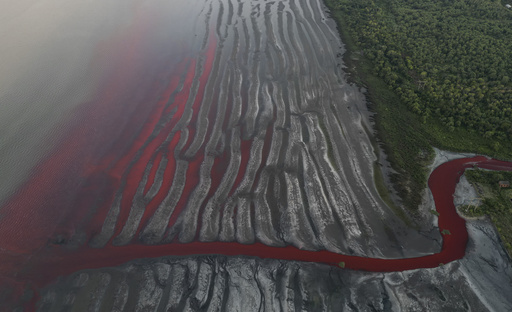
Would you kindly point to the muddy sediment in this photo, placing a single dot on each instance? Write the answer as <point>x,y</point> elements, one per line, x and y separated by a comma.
<point>253,135</point>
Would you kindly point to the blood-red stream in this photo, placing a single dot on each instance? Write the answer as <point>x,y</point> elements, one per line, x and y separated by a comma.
<point>59,261</point>
<point>442,182</point>
<point>28,258</point>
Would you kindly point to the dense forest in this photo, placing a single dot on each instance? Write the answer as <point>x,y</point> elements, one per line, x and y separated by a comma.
<point>450,60</point>
<point>438,73</point>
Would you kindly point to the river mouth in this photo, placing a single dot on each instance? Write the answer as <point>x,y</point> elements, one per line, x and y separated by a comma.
<point>202,127</point>
<point>442,183</point>
<point>172,262</point>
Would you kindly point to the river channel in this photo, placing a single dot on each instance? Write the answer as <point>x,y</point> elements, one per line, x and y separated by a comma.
<point>144,129</point>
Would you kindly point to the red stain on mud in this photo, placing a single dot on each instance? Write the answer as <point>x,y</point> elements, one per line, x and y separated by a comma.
<point>55,201</point>
<point>442,183</point>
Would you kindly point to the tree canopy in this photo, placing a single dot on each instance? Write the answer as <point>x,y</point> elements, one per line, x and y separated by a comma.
<point>450,60</point>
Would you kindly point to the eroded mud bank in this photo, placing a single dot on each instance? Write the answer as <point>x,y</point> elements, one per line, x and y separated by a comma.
<point>247,132</point>
<point>230,122</point>
<point>268,146</point>
<point>479,282</point>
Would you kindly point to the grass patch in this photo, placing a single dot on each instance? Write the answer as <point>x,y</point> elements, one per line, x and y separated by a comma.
<point>385,194</point>
<point>434,212</point>
<point>496,201</point>
<point>446,232</point>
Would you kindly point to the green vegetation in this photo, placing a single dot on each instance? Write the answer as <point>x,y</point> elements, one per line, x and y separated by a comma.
<point>496,201</point>
<point>434,212</point>
<point>446,232</point>
<point>380,184</point>
<point>448,59</point>
<point>436,74</point>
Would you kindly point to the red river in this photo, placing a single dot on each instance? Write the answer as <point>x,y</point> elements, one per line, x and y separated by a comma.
<point>85,178</point>
<point>20,270</point>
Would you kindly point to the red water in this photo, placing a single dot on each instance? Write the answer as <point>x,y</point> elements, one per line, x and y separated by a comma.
<point>442,183</point>
<point>18,270</point>
<point>72,190</point>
